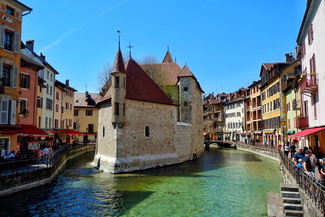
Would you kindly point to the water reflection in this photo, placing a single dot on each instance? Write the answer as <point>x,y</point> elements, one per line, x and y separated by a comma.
<point>222,183</point>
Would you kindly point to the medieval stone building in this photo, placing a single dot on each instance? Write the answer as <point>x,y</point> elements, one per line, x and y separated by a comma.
<point>145,123</point>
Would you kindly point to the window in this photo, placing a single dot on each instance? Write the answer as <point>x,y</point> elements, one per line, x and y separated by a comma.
<point>10,40</point>
<point>56,107</point>
<point>10,10</point>
<point>103,132</point>
<point>22,105</point>
<point>76,112</point>
<point>49,104</point>
<point>24,81</point>
<point>8,75</point>
<point>56,123</point>
<point>147,131</point>
<point>185,89</point>
<point>7,111</point>
<point>89,112</point>
<point>117,109</point>
<point>57,95</point>
<point>39,102</point>
<point>90,128</point>
<point>66,105</point>
<point>117,82</point>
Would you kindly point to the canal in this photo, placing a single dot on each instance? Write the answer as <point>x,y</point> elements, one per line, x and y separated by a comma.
<point>224,182</point>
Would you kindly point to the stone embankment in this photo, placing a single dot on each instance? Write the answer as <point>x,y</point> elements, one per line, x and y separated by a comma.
<point>21,179</point>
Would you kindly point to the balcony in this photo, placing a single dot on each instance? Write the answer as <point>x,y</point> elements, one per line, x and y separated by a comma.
<point>302,122</point>
<point>309,84</point>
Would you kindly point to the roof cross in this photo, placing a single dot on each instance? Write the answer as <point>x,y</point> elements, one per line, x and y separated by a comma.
<point>130,47</point>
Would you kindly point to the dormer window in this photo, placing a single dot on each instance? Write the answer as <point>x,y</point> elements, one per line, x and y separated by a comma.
<point>10,11</point>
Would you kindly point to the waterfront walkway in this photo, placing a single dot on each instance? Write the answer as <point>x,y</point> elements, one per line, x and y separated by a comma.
<point>23,174</point>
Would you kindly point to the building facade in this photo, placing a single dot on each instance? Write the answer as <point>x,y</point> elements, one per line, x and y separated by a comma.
<point>141,127</point>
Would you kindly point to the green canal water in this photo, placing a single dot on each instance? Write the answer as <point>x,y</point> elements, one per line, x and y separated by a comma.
<point>225,182</point>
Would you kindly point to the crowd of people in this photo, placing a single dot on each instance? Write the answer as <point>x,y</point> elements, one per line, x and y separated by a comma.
<point>42,153</point>
<point>306,160</point>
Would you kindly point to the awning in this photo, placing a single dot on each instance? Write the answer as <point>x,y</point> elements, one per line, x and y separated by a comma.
<point>297,136</point>
<point>32,131</point>
<point>9,129</point>
<point>70,132</point>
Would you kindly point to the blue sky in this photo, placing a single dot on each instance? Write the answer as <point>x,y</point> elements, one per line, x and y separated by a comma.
<point>224,43</point>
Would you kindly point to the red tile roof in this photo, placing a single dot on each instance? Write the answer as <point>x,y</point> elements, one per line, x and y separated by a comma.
<point>139,86</point>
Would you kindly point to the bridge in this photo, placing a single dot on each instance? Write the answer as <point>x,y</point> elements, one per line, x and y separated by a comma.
<point>220,143</point>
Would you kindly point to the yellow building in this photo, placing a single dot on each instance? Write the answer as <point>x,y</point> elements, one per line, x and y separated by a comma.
<point>11,15</point>
<point>271,102</point>
<point>63,112</point>
<point>86,116</point>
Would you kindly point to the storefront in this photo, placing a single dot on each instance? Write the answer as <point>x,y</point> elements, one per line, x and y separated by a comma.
<point>31,138</point>
<point>67,136</point>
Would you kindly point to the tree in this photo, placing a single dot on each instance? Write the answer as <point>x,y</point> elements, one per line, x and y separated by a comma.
<point>104,76</point>
<point>151,66</point>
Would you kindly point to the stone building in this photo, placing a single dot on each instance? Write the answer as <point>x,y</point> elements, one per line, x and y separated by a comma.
<point>143,125</point>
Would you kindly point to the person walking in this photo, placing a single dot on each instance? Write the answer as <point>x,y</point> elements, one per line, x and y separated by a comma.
<point>286,149</point>
<point>292,149</point>
<point>298,155</point>
<point>307,164</point>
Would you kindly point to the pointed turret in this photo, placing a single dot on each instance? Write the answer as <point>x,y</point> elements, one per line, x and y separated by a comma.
<point>118,90</point>
<point>168,58</point>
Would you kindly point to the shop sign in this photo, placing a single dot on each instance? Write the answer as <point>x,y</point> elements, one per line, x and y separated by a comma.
<point>6,18</point>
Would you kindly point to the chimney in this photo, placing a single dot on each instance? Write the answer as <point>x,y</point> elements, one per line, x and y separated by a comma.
<point>67,82</point>
<point>30,45</point>
<point>288,57</point>
<point>42,56</point>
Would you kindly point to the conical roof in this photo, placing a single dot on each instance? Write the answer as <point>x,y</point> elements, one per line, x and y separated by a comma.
<point>168,58</point>
<point>118,63</point>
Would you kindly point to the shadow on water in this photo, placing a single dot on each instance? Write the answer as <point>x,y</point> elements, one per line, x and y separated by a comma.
<point>79,190</point>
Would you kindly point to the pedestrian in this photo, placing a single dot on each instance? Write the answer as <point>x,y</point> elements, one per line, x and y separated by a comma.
<point>299,165</point>
<point>322,169</point>
<point>298,155</point>
<point>45,152</point>
<point>313,161</point>
<point>286,148</point>
<point>307,164</point>
<point>292,149</point>
<point>265,143</point>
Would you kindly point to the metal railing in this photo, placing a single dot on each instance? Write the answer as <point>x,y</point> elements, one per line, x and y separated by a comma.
<point>313,188</point>
<point>22,165</point>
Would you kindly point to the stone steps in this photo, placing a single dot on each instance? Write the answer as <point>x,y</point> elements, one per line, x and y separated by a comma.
<point>291,201</point>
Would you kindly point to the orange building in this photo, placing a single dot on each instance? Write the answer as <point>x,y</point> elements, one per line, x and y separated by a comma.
<point>11,15</point>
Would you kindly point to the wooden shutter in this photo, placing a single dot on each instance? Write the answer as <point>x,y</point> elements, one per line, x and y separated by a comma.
<point>2,33</point>
<point>16,41</point>
<point>13,112</point>
<point>14,77</point>
<point>4,108</point>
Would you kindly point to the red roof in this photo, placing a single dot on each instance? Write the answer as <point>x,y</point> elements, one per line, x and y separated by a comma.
<point>139,86</point>
<point>297,136</point>
<point>32,131</point>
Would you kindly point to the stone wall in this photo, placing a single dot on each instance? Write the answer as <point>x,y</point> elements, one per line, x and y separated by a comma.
<point>24,180</point>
